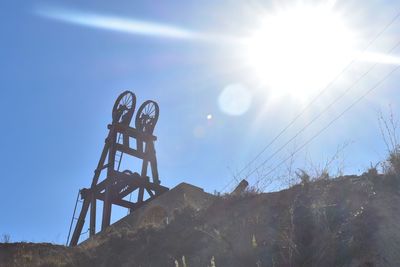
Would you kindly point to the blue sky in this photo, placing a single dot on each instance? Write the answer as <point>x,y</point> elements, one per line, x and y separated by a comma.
<point>59,82</point>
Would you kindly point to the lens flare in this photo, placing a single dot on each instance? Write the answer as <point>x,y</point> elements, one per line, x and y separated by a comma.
<point>114,23</point>
<point>235,99</point>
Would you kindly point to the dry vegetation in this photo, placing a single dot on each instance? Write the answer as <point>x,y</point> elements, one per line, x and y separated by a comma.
<point>328,222</point>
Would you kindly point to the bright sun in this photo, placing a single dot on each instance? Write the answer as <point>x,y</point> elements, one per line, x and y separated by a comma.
<point>297,51</point>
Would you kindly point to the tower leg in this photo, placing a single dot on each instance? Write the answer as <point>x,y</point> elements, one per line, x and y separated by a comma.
<point>110,179</point>
<point>106,210</point>
<point>80,223</point>
<point>140,195</point>
<point>153,163</point>
<point>92,229</point>
<point>143,175</point>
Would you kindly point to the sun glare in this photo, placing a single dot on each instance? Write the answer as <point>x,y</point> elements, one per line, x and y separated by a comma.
<point>297,51</point>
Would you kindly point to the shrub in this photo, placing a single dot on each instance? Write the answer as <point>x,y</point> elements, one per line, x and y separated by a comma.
<point>5,238</point>
<point>303,176</point>
<point>394,161</point>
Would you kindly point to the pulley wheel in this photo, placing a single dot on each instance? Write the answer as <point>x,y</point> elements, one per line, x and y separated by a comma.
<point>124,108</point>
<point>147,116</point>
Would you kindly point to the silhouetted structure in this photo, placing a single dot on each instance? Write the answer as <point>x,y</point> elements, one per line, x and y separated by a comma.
<point>241,188</point>
<point>117,184</point>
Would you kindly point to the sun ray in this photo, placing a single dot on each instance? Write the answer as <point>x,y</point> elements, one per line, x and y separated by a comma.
<point>380,58</point>
<point>114,23</point>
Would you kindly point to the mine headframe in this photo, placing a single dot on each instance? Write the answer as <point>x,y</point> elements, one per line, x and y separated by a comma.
<point>122,140</point>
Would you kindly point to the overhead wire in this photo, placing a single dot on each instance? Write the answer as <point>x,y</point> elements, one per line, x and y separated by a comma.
<point>323,111</point>
<point>334,102</point>
<point>321,92</point>
<point>333,121</point>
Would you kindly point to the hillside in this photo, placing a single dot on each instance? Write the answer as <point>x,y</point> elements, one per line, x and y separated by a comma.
<point>347,221</point>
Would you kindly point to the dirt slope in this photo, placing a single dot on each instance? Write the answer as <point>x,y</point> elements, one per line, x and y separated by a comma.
<point>348,221</point>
